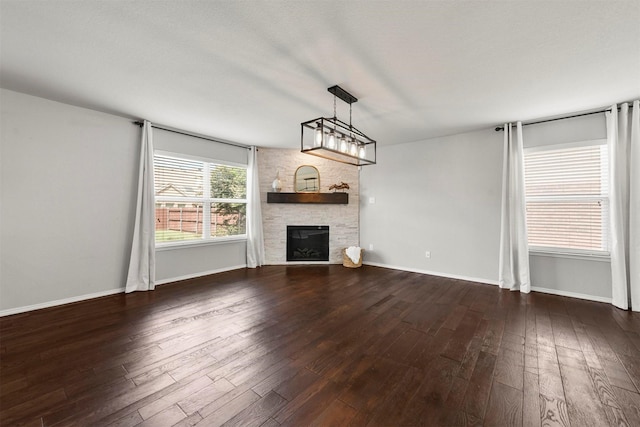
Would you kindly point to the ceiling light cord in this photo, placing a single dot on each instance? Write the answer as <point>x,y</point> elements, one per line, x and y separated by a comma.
<point>350,126</point>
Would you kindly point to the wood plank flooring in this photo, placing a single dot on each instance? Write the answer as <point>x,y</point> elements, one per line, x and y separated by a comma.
<point>322,346</point>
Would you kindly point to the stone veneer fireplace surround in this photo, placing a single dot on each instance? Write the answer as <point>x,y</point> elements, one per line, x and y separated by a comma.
<point>342,219</point>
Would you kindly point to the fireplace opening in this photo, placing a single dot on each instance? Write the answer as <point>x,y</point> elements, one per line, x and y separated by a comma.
<point>307,243</point>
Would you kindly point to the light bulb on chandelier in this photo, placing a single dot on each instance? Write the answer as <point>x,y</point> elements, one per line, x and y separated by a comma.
<point>332,141</point>
<point>353,149</point>
<point>343,144</point>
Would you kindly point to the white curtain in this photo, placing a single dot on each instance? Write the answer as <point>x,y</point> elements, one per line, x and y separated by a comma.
<point>255,237</point>
<point>623,138</point>
<point>514,249</point>
<point>142,265</point>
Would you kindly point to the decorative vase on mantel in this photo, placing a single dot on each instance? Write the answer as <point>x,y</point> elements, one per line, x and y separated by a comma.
<point>277,184</point>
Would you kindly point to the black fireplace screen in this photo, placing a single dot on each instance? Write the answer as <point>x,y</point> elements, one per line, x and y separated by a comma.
<point>307,243</point>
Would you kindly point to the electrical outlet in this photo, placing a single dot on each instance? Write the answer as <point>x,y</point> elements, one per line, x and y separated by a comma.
<point>427,254</point>
<point>372,200</point>
<point>371,247</point>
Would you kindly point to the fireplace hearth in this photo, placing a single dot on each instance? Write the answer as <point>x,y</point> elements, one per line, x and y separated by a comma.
<point>307,243</point>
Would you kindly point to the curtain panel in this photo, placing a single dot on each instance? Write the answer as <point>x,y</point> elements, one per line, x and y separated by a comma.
<point>514,250</point>
<point>255,236</point>
<point>142,264</point>
<point>623,139</point>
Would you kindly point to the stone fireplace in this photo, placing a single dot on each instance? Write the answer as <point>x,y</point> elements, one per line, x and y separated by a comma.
<point>342,219</point>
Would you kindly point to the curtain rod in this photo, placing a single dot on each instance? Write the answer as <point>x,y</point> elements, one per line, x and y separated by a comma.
<point>195,135</point>
<point>499,128</point>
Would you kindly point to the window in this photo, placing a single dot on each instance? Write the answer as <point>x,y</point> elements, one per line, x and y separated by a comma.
<point>567,197</point>
<point>198,201</point>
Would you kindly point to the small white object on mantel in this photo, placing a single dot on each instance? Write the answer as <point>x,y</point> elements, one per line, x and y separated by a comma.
<point>276,185</point>
<point>353,252</point>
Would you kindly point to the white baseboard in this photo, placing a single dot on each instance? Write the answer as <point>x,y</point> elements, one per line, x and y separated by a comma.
<point>571,294</point>
<point>435,273</point>
<point>495,282</point>
<point>48,304</point>
<point>201,274</point>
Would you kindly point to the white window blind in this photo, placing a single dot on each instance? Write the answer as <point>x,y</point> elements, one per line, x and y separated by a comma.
<point>198,200</point>
<point>567,197</point>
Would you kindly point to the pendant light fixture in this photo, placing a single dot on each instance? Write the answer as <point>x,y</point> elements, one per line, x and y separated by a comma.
<point>336,140</point>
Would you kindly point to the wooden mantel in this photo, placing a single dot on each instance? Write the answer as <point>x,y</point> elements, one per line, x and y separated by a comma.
<point>326,198</point>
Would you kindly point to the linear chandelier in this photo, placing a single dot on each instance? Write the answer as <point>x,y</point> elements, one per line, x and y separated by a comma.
<point>336,140</point>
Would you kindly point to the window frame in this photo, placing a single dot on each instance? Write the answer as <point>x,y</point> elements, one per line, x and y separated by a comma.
<point>566,252</point>
<point>206,238</point>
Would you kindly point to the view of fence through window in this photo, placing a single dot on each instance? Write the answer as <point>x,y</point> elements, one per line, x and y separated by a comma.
<point>197,200</point>
<point>567,197</point>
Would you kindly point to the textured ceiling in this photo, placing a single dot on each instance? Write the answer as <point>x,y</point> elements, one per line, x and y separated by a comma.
<point>251,71</point>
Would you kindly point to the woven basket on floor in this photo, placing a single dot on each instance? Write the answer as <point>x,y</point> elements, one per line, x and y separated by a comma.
<point>347,262</point>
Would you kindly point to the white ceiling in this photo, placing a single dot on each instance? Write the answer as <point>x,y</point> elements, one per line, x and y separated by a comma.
<point>251,71</point>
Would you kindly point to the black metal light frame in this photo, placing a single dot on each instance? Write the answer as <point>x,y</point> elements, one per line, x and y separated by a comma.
<point>333,139</point>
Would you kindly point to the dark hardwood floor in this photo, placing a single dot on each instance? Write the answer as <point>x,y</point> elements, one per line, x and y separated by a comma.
<point>325,346</point>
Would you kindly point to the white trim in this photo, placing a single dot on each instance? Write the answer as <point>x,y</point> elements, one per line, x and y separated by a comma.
<point>182,244</point>
<point>201,274</point>
<point>85,297</point>
<point>206,205</point>
<point>48,304</point>
<point>602,199</point>
<point>205,201</point>
<point>210,160</point>
<point>571,294</point>
<point>434,273</point>
<point>565,198</point>
<point>183,199</point>
<point>565,146</point>
<point>568,253</point>
<point>495,282</point>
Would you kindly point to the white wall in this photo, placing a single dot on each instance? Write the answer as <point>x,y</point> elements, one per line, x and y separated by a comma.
<point>68,190</point>
<point>176,263</point>
<point>440,195</point>
<point>68,187</point>
<point>68,197</point>
<point>443,195</point>
<point>587,278</point>
<point>575,277</point>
